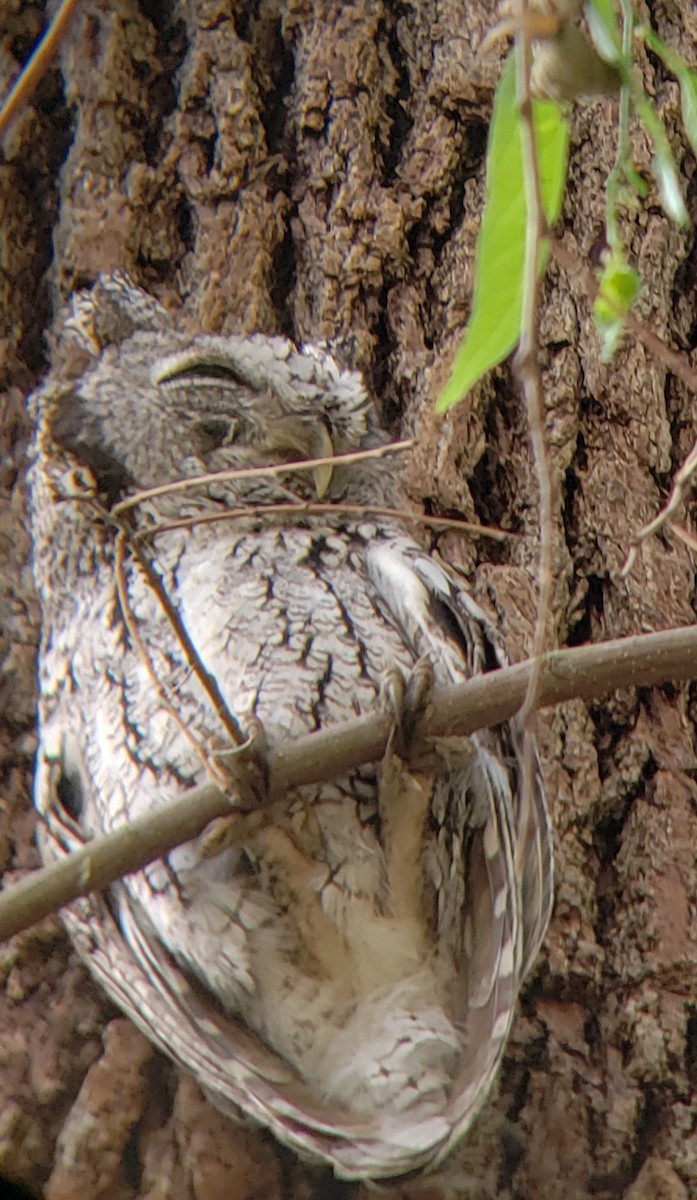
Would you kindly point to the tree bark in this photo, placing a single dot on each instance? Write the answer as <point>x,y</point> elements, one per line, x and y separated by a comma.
<point>317,169</point>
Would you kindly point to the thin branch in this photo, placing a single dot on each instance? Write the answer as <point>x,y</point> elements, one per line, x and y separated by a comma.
<point>681,482</point>
<point>161,689</point>
<point>622,157</point>
<point>312,509</point>
<point>305,507</point>
<point>688,539</point>
<point>525,363</point>
<point>37,63</point>
<point>586,672</point>
<point>527,369</point>
<point>236,473</point>
<point>208,682</point>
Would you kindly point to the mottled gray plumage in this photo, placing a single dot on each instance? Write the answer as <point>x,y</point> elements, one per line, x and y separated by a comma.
<point>344,969</point>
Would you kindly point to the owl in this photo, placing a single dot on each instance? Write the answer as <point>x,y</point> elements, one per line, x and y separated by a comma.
<point>340,965</point>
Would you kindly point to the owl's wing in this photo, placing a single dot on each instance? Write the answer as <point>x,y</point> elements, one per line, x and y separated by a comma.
<point>241,1075</point>
<point>175,1013</point>
<point>492,864</point>
<point>443,622</point>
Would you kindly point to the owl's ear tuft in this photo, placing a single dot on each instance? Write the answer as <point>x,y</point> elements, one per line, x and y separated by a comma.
<point>111,311</point>
<point>348,352</point>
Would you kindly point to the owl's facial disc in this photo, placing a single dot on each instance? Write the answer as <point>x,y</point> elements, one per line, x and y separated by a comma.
<point>280,435</point>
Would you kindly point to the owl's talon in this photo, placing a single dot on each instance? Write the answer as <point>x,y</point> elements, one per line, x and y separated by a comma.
<point>253,756</point>
<point>404,800</point>
<point>407,697</point>
<point>247,803</point>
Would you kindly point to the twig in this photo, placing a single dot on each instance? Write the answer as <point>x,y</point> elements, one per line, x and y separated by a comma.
<point>677,495</point>
<point>36,64</point>
<point>310,508</point>
<point>161,688</point>
<point>236,473</point>
<point>527,369</point>
<point>125,537</point>
<point>586,672</point>
<point>622,156</point>
<point>688,539</point>
<point>208,682</point>
<point>525,362</point>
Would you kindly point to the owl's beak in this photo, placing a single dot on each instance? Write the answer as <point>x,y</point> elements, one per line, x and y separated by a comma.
<point>305,440</point>
<point>323,475</point>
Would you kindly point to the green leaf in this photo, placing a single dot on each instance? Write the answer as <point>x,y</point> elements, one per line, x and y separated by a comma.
<point>688,99</point>
<point>494,326</point>
<point>604,30</point>
<point>636,182</point>
<point>618,287</point>
<point>685,77</point>
<point>663,165</point>
<point>669,189</point>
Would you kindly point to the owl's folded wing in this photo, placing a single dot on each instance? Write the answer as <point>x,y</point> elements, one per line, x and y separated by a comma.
<point>443,622</point>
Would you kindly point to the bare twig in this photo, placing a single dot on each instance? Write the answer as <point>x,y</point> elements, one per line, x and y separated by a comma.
<point>125,538</point>
<point>208,682</point>
<point>527,369</point>
<point>166,698</point>
<point>623,155</point>
<point>37,63</point>
<point>688,539</point>
<point>304,507</point>
<point>586,672</point>
<point>681,481</point>
<point>525,363</point>
<point>237,473</point>
<point>310,508</point>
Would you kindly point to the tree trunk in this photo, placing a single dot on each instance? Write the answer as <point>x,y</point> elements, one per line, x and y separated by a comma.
<point>317,169</point>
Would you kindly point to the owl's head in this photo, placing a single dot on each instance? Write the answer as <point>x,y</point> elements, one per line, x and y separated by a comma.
<point>150,404</point>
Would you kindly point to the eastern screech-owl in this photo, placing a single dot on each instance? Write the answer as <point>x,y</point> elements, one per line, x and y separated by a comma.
<point>345,970</point>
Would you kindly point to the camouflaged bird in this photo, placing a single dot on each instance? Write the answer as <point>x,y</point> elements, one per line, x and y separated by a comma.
<point>343,971</point>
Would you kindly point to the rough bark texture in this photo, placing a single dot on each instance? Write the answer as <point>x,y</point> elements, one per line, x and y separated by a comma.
<point>316,168</point>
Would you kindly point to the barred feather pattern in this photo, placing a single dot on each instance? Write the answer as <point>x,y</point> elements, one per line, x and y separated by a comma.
<point>343,966</point>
